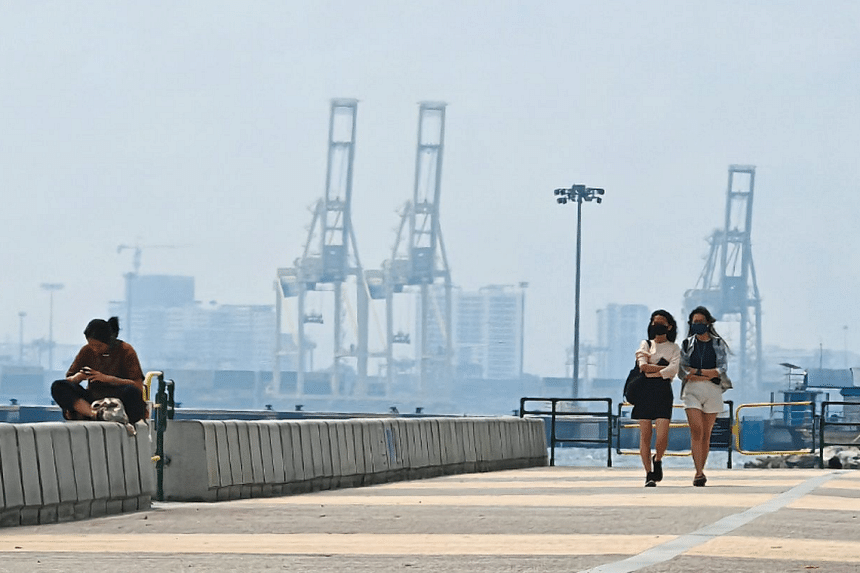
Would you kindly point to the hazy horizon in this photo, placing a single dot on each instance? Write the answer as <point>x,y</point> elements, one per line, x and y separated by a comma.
<point>203,126</point>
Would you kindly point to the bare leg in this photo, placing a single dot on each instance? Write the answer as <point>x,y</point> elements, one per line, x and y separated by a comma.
<point>662,440</point>
<point>695,419</point>
<point>707,425</point>
<point>645,443</point>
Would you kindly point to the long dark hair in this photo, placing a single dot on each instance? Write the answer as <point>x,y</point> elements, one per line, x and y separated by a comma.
<point>709,318</point>
<point>673,326</point>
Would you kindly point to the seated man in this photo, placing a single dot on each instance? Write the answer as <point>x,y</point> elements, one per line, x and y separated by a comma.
<point>111,368</point>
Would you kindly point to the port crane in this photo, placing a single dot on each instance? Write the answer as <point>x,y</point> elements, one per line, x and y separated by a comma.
<point>727,285</point>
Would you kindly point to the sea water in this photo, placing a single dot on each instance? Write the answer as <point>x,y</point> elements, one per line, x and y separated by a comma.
<point>596,457</point>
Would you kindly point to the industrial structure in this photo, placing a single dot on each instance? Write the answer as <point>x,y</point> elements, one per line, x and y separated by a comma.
<point>419,260</point>
<point>329,258</point>
<point>727,285</point>
<point>330,263</point>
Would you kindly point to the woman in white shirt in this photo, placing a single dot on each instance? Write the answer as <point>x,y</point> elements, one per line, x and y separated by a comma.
<point>658,358</point>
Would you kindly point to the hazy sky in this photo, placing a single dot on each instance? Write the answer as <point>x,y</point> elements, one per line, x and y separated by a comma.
<point>204,124</point>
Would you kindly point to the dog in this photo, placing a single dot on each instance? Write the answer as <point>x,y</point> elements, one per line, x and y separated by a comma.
<point>112,410</point>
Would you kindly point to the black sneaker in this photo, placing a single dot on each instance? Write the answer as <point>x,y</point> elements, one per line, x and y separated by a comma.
<point>658,469</point>
<point>649,480</point>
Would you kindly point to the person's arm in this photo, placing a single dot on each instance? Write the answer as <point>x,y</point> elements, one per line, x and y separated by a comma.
<point>75,372</point>
<point>684,362</point>
<point>670,371</point>
<point>643,355</point>
<point>130,368</point>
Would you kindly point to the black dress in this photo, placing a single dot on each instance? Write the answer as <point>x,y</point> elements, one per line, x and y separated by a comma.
<point>657,402</point>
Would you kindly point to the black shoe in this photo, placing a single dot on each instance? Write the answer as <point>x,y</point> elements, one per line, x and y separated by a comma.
<point>658,469</point>
<point>649,480</point>
<point>700,481</point>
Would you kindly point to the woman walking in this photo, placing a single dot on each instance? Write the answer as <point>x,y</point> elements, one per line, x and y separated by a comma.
<point>703,369</point>
<point>658,358</point>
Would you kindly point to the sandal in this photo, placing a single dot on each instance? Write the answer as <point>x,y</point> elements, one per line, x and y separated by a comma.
<point>700,481</point>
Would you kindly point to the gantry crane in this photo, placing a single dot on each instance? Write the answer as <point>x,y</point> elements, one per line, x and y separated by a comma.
<point>330,256</point>
<point>727,285</point>
<point>422,261</point>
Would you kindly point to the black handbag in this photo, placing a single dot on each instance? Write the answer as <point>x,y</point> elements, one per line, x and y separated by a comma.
<point>634,385</point>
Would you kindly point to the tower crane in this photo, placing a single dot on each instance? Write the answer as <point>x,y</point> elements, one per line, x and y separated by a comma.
<point>130,276</point>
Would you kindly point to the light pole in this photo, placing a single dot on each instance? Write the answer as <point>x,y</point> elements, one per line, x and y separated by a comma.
<point>51,287</point>
<point>577,193</point>
<point>21,316</point>
<point>523,286</point>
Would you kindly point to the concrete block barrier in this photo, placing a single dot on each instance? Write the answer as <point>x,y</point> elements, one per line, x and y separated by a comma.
<point>54,471</point>
<point>213,460</point>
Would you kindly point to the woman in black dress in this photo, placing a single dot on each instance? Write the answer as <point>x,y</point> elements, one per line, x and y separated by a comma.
<point>658,358</point>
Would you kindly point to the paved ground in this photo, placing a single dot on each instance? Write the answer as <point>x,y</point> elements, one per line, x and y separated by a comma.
<point>542,519</point>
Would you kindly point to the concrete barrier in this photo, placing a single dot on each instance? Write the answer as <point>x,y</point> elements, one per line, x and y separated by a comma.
<point>53,471</point>
<point>213,460</point>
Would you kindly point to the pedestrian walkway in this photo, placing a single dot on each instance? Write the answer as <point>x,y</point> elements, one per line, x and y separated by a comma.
<point>539,519</point>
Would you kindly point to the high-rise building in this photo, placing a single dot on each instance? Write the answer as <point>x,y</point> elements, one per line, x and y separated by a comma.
<point>487,330</point>
<point>168,328</point>
<point>620,329</point>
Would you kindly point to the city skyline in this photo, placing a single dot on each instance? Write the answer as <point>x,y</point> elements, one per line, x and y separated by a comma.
<point>198,133</point>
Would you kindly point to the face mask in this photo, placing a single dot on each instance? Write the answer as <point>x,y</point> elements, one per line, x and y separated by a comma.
<point>698,328</point>
<point>656,330</point>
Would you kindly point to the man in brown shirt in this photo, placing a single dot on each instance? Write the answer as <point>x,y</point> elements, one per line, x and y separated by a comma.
<point>111,368</point>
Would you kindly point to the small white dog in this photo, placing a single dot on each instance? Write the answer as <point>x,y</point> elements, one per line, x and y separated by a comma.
<point>112,410</point>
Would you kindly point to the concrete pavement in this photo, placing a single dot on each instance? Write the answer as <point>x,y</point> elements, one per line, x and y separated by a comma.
<point>539,519</point>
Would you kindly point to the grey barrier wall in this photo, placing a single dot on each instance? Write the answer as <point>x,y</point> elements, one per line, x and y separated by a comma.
<point>56,471</point>
<point>213,460</point>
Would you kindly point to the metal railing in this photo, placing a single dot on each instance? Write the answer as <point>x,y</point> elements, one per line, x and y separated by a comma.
<point>823,423</point>
<point>721,433</point>
<point>804,423</point>
<point>579,417</point>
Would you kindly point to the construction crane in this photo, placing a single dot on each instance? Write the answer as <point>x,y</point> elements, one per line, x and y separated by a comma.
<point>420,260</point>
<point>330,256</point>
<point>727,285</point>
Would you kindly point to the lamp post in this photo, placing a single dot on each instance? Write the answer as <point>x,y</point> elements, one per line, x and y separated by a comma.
<point>577,193</point>
<point>51,287</point>
<point>523,286</point>
<point>21,316</point>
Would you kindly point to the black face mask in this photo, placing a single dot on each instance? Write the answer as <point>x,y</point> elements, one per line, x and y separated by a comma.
<point>656,330</point>
<point>698,328</point>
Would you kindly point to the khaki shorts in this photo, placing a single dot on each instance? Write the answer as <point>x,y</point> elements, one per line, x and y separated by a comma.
<point>704,396</point>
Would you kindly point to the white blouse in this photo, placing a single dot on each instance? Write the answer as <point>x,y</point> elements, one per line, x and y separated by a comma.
<point>651,352</point>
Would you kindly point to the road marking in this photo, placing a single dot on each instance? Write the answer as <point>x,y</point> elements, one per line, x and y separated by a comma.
<point>634,482</point>
<point>774,548</point>
<point>335,544</point>
<point>649,498</point>
<point>685,543</point>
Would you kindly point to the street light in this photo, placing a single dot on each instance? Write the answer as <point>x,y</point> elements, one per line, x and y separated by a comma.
<point>51,287</point>
<point>577,193</point>
<point>21,316</point>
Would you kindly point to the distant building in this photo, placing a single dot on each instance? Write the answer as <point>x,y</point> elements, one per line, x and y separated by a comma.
<point>168,328</point>
<point>487,327</point>
<point>620,329</point>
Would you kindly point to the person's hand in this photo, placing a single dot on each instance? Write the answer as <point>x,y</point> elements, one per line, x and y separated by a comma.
<point>77,377</point>
<point>94,375</point>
